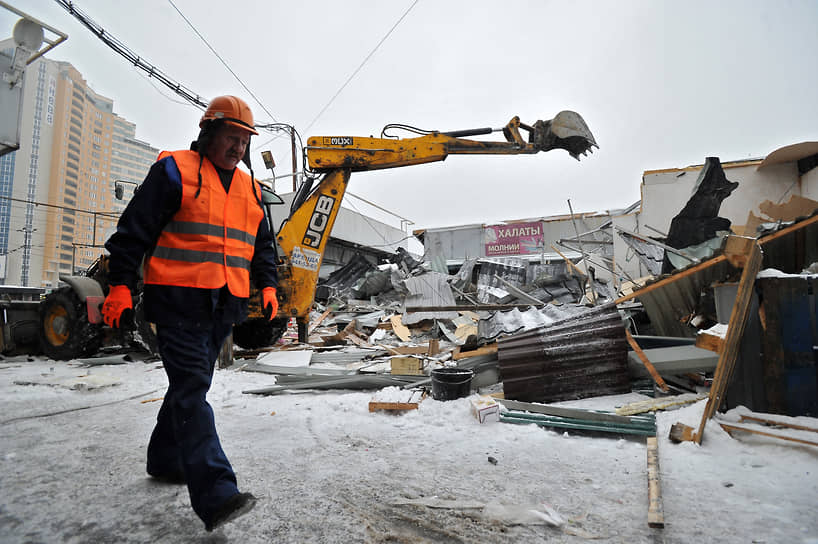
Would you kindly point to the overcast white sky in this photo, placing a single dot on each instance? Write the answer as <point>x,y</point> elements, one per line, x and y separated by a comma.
<point>660,84</point>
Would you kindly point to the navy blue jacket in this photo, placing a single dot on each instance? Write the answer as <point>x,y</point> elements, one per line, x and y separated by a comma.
<point>153,205</point>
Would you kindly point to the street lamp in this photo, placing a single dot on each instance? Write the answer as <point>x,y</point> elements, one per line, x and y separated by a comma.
<point>119,190</point>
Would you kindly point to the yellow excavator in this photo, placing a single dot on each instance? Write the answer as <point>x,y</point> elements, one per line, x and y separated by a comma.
<point>70,323</point>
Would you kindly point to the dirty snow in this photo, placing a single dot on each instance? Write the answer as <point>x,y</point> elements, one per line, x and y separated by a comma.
<point>328,470</point>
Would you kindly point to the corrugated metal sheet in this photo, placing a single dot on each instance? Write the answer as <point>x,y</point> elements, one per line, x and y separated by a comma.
<point>670,307</point>
<point>349,355</point>
<point>343,279</point>
<point>650,255</point>
<point>429,289</point>
<point>515,321</point>
<point>582,356</point>
<point>511,269</point>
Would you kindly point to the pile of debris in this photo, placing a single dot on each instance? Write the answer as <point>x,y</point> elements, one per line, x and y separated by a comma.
<point>394,324</point>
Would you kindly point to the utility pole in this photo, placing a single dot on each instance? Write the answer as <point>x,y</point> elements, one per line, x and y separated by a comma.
<point>295,158</point>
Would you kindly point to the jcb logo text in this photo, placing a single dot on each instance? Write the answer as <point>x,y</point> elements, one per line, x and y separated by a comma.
<point>319,221</point>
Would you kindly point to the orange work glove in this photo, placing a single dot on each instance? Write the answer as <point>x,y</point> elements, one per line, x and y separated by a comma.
<point>269,302</point>
<point>117,301</point>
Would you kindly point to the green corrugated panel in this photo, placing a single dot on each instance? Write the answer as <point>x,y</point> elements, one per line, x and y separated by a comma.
<point>640,425</point>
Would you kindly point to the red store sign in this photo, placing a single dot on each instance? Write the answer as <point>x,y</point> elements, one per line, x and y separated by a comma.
<point>515,239</point>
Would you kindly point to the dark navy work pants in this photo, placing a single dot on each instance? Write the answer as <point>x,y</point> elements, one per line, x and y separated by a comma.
<point>184,440</point>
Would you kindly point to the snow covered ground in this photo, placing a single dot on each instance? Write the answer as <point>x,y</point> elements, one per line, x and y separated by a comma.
<point>328,470</point>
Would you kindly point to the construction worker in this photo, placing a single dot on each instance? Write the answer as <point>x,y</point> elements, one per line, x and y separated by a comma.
<point>199,223</point>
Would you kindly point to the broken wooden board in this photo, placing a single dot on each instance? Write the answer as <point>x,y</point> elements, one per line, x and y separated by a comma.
<point>737,249</point>
<point>660,403</point>
<point>709,341</point>
<point>645,361</point>
<point>400,330</point>
<point>776,423</point>
<point>679,432</point>
<point>320,319</point>
<point>406,350</point>
<point>397,401</point>
<point>485,350</point>
<point>734,428</point>
<point>735,330</point>
<point>656,515</point>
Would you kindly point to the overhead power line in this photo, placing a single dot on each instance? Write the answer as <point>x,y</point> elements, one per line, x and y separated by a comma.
<point>358,69</point>
<point>351,77</point>
<point>133,58</point>
<point>222,61</point>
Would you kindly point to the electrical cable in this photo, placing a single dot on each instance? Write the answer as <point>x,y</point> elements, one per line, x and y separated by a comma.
<point>349,79</point>
<point>360,66</point>
<point>133,58</point>
<point>258,101</point>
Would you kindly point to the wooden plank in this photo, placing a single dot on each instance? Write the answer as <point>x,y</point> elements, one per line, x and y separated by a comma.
<point>571,265</point>
<point>411,401</point>
<point>406,350</point>
<point>735,330</point>
<point>737,249</point>
<point>660,403</point>
<point>711,342</point>
<point>357,340</point>
<point>434,347</point>
<point>320,319</point>
<point>672,278</point>
<point>645,361</point>
<point>485,350</point>
<point>656,514</point>
<point>732,428</point>
<point>778,423</point>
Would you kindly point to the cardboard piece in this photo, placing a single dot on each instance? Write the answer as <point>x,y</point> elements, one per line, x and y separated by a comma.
<point>796,207</point>
<point>485,409</point>
<point>407,366</point>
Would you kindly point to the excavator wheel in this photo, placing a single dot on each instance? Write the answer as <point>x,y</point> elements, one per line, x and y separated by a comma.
<point>65,332</point>
<point>259,332</point>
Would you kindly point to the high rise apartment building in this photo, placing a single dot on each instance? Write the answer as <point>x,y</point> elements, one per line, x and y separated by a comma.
<point>58,191</point>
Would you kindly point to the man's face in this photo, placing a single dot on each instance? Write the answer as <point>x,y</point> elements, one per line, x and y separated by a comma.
<point>227,147</point>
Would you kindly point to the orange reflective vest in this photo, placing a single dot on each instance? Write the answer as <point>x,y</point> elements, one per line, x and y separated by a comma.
<point>210,241</point>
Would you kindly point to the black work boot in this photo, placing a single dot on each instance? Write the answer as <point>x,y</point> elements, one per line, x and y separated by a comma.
<point>237,505</point>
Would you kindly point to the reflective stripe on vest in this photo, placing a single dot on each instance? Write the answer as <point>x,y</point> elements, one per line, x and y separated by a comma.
<point>210,240</point>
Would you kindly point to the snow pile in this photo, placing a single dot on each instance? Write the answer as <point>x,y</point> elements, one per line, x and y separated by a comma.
<point>328,470</point>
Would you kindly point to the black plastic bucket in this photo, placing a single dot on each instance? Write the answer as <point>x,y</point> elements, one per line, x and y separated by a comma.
<point>451,383</point>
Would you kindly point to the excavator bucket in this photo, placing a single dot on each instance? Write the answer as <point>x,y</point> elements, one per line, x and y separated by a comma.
<point>567,130</point>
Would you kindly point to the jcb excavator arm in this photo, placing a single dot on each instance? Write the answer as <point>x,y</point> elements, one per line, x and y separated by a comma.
<point>566,131</point>
<point>304,235</point>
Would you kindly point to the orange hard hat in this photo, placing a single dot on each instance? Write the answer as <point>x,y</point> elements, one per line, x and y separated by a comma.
<point>232,110</point>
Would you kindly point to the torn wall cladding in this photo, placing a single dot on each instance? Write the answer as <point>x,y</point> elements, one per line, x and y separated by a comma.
<point>699,220</point>
<point>784,173</point>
